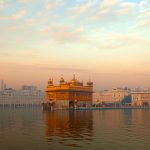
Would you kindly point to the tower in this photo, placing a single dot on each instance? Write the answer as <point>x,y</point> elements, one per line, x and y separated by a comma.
<point>2,85</point>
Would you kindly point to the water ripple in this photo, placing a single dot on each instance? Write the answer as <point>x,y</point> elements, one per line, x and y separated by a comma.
<point>105,129</point>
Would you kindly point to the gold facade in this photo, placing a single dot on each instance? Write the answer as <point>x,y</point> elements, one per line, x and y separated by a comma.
<point>68,94</point>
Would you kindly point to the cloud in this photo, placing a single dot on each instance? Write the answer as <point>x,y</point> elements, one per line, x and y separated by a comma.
<point>95,10</point>
<point>82,8</point>
<point>2,4</point>
<point>4,17</point>
<point>107,5</point>
<point>112,11</point>
<point>128,4</point>
<point>24,1</point>
<point>144,23</point>
<point>79,9</point>
<point>30,53</point>
<point>130,40</point>
<point>121,41</point>
<point>20,14</point>
<point>68,35</point>
<point>123,11</point>
<point>143,19</point>
<point>51,4</point>
<point>64,33</point>
<point>144,9</point>
<point>5,54</point>
<point>35,67</point>
<point>126,8</point>
<point>143,3</point>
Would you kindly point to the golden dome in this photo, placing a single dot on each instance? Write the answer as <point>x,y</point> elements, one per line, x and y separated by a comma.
<point>90,83</point>
<point>74,80</point>
<point>50,81</point>
<point>62,80</point>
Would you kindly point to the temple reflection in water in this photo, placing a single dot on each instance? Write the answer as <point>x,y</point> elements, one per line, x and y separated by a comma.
<point>64,125</point>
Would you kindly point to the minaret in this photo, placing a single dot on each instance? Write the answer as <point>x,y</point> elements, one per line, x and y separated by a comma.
<point>74,76</point>
<point>90,83</point>
<point>50,82</point>
<point>2,85</point>
<point>62,81</point>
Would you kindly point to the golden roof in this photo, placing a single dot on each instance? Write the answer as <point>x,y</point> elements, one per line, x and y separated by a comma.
<point>62,80</point>
<point>90,83</point>
<point>74,80</point>
<point>50,81</point>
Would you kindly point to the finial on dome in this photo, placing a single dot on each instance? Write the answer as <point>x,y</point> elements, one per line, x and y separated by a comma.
<point>62,79</point>
<point>50,81</point>
<point>89,83</point>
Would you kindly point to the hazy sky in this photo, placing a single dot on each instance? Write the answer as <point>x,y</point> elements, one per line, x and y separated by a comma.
<point>105,40</point>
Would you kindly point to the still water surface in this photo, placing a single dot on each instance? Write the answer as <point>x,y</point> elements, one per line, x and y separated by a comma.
<point>33,129</point>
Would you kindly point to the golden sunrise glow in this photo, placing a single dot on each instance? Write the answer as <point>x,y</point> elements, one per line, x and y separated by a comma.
<point>105,40</point>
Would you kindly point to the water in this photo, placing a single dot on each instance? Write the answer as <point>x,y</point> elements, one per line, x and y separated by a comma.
<point>33,129</point>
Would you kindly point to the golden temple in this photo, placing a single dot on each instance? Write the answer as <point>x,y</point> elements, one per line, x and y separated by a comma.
<point>67,95</point>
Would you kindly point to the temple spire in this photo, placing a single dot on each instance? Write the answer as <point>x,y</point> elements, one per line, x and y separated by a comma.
<point>74,76</point>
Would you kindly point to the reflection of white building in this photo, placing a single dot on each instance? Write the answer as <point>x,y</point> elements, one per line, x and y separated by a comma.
<point>114,95</point>
<point>27,95</point>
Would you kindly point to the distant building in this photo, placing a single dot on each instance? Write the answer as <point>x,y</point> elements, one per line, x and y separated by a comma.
<point>29,87</point>
<point>140,98</point>
<point>115,95</point>
<point>27,95</point>
<point>68,94</point>
<point>102,97</point>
